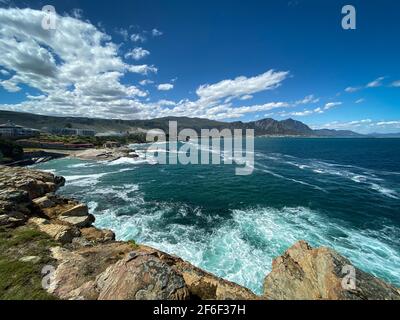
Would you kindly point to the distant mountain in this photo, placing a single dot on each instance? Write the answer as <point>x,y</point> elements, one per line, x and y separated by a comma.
<point>384,135</point>
<point>336,133</point>
<point>261,127</point>
<point>285,127</point>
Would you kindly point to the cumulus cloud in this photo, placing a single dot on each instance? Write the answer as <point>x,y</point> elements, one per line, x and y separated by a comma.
<point>76,66</point>
<point>165,86</point>
<point>241,86</point>
<point>137,53</point>
<point>79,71</point>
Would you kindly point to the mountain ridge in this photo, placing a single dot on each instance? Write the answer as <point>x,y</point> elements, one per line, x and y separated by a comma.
<point>266,126</point>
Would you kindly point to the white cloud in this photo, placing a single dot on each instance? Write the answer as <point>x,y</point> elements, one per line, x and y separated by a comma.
<point>246,97</point>
<point>352,89</point>
<point>360,101</point>
<point>241,86</point>
<point>78,71</point>
<point>142,69</point>
<point>396,84</point>
<point>330,105</point>
<point>4,72</point>
<point>319,110</point>
<point>389,123</point>
<point>363,126</point>
<point>376,83</point>
<point>76,68</point>
<point>145,82</point>
<point>137,37</point>
<point>165,86</point>
<point>156,33</point>
<point>307,100</point>
<point>137,53</point>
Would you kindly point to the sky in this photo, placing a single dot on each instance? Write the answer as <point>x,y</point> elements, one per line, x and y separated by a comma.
<point>224,60</point>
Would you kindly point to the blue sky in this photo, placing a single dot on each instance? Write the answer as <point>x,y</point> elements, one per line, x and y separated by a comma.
<point>224,60</point>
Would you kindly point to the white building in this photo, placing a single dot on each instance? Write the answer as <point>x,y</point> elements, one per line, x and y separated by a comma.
<point>11,130</point>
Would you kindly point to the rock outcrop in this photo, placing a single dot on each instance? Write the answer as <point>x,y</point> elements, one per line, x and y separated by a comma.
<point>89,264</point>
<point>304,273</point>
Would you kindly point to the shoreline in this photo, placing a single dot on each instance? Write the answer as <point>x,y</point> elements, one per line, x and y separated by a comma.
<point>126,270</point>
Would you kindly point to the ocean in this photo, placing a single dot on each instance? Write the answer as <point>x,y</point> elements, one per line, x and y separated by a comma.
<point>341,193</point>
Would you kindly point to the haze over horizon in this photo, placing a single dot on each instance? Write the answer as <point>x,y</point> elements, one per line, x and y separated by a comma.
<point>236,62</point>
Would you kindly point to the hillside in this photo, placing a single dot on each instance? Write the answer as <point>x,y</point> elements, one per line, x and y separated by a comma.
<point>261,127</point>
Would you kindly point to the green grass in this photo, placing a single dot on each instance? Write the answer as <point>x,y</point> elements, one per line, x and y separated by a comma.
<point>23,280</point>
<point>133,244</point>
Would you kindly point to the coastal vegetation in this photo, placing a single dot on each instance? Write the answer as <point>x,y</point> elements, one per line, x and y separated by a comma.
<point>23,251</point>
<point>138,137</point>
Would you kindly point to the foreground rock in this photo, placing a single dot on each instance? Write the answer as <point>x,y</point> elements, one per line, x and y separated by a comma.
<point>90,264</point>
<point>309,274</point>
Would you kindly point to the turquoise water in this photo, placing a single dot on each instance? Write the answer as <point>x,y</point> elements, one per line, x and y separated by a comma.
<point>342,193</point>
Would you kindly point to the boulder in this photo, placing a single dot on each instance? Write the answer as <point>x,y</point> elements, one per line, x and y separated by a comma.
<point>97,235</point>
<point>304,273</point>
<point>62,233</point>
<point>79,210</point>
<point>79,222</point>
<point>141,277</point>
<point>44,202</point>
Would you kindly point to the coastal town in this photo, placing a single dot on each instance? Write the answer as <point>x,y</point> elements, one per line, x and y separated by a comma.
<point>21,146</point>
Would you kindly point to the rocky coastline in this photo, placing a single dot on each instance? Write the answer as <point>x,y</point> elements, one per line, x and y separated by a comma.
<point>41,230</point>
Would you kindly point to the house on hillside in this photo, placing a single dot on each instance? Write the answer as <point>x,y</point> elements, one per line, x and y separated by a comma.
<point>12,131</point>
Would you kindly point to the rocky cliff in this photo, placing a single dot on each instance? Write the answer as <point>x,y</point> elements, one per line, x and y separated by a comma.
<point>44,232</point>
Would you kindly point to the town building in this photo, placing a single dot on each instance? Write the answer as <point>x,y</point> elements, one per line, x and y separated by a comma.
<point>12,131</point>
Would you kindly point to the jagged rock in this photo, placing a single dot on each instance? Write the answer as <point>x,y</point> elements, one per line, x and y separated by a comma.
<point>79,222</point>
<point>61,233</point>
<point>44,202</point>
<point>76,271</point>
<point>144,277</point>
<point>80,210</point>
<point>35,183</point>
<point>96,235</point>
<point>306,273</point>
<point>201,284</point>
